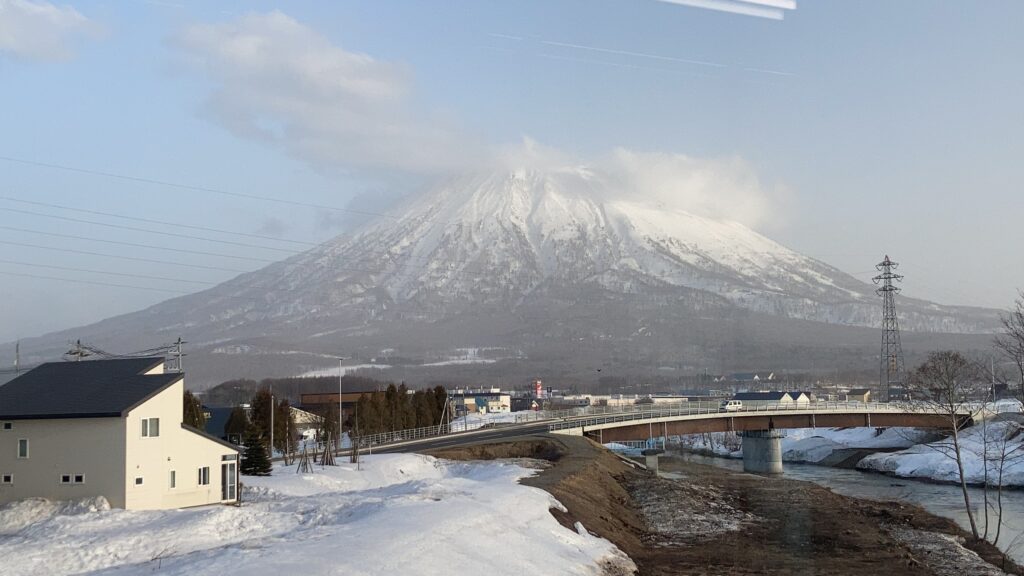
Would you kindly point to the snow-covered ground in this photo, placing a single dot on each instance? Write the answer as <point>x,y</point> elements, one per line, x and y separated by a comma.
<point>401,514</point>
<point>935,461</point>
<point>810,444</point>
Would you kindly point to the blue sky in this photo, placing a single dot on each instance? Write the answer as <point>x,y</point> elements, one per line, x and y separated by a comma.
<point>870,127</point>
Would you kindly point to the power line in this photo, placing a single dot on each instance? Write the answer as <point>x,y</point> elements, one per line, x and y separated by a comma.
<point>152,221</point>
<point>96,283</point>
<point>122,257</point>
<point>182,250</point>
<point>190,187</point>
<point>123,274</point>
<point>134,229</point>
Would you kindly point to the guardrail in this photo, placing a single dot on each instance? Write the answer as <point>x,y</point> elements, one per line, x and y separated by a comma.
<point>697,408</point>
<point>591,415</point>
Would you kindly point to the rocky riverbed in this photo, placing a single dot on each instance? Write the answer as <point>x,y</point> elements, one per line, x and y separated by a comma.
<point>698,519</point>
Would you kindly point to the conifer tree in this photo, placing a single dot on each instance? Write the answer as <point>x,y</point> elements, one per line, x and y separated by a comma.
<point>192,411</point>
<point>254,458</point>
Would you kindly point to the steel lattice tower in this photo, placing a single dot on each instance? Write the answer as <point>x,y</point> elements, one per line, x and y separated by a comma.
<point>891,373</point>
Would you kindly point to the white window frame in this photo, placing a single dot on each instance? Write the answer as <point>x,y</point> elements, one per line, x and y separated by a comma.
<point>172,480</point>
<point>27,453</point>
<point>139,481</point>
<point>148,427</point>
<point>7,478</point>
<point>75,478</point>
<point>204,476</point>
<point>62,480</point>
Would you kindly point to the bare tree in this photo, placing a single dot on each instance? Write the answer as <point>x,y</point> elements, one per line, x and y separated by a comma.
<point>945,384</point>
<point>1003,448</point>
<point>1011,341</point>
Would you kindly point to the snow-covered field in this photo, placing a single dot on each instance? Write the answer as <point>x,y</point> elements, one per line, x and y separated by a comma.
<point>935,461</point>
<point>401,514</point>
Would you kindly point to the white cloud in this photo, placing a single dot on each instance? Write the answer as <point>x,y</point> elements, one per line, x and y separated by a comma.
<point>280,81</point>
<point>40,30</point>
<point>720,188</point>
<point>727,188</point>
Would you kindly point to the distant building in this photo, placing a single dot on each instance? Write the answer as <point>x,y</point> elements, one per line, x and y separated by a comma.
<point>754,399</point>
<point>319,402</point>
<point>801,398</point>
<point>859,395</point>
<point>110,428</point>
<point>483,401</point>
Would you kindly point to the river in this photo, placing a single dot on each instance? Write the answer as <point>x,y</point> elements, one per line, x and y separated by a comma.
<point>940,499</point>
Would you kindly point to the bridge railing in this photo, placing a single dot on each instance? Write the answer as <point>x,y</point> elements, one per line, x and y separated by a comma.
<point>697,408</point>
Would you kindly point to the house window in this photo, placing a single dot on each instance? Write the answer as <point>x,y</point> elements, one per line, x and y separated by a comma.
<point>172,480</point>
<point>65,478</point>
<point>138,480</point>
<point>79,478</point>
<point>23,448</point>
<point>204,475</point>
<point>150,427</point>
<point>8,425</point>
<point>7,479</point>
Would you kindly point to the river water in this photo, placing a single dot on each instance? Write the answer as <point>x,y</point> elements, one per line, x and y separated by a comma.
<point>939,499</point>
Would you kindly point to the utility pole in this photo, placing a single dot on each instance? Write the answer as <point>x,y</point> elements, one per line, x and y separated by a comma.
<point>178,355</point>
<point>892,374</point>
<point>78,352</point>
<point>272,410</point>
<point>341,416</point>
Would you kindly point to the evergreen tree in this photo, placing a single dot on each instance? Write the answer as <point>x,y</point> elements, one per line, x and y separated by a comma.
<point>237,424</point>
<point>192,411</point>
<point>377,410</point>
<point>406,409</point>
<point>441,402</point>
<point>259,412</point>
<point>255,461</point>
<point>423,407</point>
<point>284,427</point>
<point>392,408</point>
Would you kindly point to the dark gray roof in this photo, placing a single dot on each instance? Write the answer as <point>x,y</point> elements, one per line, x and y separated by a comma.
<point>759,396</point>
<point>87,389</point>
<point>220,441</point>
<point>859,391</point>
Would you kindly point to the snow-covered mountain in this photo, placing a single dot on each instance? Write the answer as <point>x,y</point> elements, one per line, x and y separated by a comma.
<point>525,261</point>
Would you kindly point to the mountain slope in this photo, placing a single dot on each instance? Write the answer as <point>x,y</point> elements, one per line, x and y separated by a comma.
<point>525,261</point>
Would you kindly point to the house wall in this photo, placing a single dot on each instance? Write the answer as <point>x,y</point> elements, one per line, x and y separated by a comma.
<point>88,446</point>
<point>177,449</point>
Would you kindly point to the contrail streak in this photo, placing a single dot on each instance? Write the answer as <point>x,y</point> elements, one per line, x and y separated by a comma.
<point>630,53</point>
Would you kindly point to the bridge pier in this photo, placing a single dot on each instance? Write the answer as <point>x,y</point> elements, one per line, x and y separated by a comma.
<point>651,459</point>
<point>762,451</point>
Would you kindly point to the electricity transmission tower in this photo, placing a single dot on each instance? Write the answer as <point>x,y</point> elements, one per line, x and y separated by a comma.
<point>891,372</point>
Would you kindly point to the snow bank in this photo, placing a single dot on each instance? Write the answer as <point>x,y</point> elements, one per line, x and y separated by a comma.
<point>401,514</point>
<point>811,445</point>
<point>935,460</point>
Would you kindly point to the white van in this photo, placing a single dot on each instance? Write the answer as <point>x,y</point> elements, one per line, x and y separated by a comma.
<point>730,406</point>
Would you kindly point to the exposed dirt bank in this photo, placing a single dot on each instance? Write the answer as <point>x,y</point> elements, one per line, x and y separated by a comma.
<point>706,520</point>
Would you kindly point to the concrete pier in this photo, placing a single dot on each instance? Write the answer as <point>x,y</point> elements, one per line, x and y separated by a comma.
<point>651,459</point>
<point>762,451</point>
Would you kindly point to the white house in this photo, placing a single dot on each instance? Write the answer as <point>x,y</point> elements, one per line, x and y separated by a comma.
<point>110,428</point>
<point>763,399</point>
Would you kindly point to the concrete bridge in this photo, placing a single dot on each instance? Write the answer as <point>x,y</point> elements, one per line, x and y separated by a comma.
<point>762,427</point>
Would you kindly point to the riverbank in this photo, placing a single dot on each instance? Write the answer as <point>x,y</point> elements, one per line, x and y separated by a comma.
<point>706,520</point>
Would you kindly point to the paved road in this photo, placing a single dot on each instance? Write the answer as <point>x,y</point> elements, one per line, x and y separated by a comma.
<point>471,437</point>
